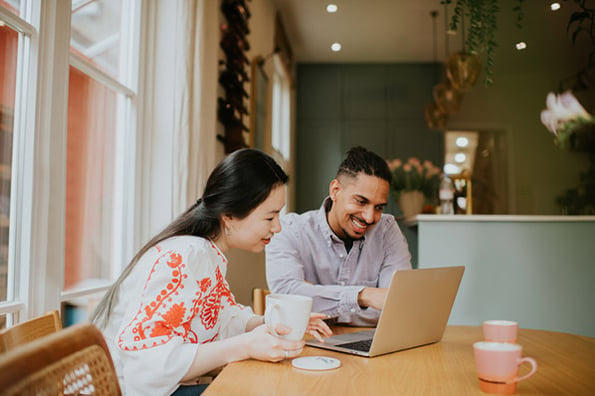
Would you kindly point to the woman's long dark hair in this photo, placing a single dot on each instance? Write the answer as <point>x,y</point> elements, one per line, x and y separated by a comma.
<point>237,185</point>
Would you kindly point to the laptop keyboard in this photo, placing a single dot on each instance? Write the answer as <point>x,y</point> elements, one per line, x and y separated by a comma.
<point>363,345</point>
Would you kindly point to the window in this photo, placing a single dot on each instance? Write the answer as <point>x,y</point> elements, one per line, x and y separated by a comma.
<point>8,60</point>
<point>281,133</point>
<point>68,77</point>
<point>281,124</point>
<point>15,34</point>
<point>99,99</point>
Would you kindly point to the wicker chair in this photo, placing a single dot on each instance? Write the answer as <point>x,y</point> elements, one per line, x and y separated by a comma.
<point>30,330</point>
<point>73,361</point>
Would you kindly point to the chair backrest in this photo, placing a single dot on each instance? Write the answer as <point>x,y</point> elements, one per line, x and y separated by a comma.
<point>72,361</point>
<point>29,330</point>
<point>259,300</point>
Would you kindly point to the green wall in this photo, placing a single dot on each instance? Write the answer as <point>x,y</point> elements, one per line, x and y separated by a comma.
<point>381,107</point>
<point>378,106</point>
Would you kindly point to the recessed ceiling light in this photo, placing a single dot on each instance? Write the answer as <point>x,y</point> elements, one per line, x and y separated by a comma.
<point>521,45</point>
<point>555,6</point>
<point>336,47</point>
<point>460,157</point>
<point>331,8</point>
<point>462,141</point>
<point>451,169</point>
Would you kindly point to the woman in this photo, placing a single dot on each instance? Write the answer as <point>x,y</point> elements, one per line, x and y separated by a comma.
<point>170,317</point>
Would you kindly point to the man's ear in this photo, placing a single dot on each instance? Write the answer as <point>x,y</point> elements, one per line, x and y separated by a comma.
<point>334,189</point>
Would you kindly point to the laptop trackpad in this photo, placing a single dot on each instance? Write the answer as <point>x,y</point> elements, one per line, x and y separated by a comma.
<point>349,337</point>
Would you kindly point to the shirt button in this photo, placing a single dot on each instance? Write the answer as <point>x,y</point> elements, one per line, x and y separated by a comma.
<point>341,255</point>
<point>352,310</point>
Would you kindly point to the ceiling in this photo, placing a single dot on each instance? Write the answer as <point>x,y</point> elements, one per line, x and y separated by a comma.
<point>368,30</point>
<point>398,31</point>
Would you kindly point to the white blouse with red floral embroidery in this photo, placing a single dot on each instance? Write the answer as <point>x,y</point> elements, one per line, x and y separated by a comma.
<point>175,298</point>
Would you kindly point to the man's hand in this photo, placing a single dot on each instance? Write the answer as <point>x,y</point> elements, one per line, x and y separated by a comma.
<point>372,297</point>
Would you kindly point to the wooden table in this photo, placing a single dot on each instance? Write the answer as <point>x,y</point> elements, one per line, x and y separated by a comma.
<point>566,367</point>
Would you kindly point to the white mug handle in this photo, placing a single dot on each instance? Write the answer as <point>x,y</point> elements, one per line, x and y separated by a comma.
<point>533,364</point>
<point>268,317</point>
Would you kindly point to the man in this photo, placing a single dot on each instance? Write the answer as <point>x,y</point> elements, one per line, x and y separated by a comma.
<point>344,254</point>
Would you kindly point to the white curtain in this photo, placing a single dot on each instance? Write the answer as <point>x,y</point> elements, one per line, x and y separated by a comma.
<point>195,99</point>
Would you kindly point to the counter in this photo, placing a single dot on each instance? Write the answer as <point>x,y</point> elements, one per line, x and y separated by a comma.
<point>538,270</point>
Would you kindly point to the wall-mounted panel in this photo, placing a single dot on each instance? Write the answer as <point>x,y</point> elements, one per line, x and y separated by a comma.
<point>368,133</point>
<point>319,91</point>
<point>364,91</point>
<point>319,155</point>
<point>378,106</point>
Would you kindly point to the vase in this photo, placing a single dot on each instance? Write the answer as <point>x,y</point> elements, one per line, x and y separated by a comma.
<point>411,203</point>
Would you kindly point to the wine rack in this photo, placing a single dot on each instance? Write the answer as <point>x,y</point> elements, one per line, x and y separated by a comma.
<point>231,109</point>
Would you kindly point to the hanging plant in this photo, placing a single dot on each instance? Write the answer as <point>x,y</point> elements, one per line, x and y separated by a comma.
<point>583,22</point>
<point>480,36</point>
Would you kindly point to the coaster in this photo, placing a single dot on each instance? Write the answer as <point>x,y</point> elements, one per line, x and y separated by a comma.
<point>316,363</point>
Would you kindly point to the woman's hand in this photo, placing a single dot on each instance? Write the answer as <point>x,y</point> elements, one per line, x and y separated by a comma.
<point>317,327</point>
<point>263,345</point>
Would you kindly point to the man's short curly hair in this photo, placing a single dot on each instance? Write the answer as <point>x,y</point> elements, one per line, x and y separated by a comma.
<point>361,160</point>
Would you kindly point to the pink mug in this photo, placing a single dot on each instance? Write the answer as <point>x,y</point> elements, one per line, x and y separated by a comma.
<point>500,330</point>
<point>498,365</point>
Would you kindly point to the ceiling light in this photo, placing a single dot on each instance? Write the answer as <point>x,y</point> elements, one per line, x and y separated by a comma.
<point>336,47</point>
<point>521,45</point>
<point>451,169</point>
<point>460,157</point>
<point>555,6</point>
<point>462,141</point>
<point>331,8</point>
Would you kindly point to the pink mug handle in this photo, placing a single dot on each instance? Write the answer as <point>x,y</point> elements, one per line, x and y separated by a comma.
<point>533,364</point>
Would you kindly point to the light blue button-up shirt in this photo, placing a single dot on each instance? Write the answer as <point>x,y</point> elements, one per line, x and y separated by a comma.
<point>307,258</point>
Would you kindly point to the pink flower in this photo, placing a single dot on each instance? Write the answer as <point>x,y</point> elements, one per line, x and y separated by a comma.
<point>414,161</point>
<point>394,164</point>
<point>561,109</point>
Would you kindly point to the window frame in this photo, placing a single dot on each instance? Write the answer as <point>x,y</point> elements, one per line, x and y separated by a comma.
<point>38,181</point>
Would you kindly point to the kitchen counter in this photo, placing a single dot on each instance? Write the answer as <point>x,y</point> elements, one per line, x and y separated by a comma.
<point>538,270</point>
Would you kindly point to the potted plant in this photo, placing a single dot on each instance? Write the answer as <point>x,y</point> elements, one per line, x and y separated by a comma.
<point>414,182</point>
<point>479,38</point>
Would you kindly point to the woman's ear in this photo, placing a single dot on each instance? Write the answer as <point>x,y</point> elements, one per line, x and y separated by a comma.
<point>226,221</point>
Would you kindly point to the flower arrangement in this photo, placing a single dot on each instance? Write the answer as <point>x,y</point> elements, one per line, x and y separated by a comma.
<point>572,126</point>
<point>414,175</point>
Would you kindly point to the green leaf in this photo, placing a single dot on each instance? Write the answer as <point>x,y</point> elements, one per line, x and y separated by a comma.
<point>577,17</point>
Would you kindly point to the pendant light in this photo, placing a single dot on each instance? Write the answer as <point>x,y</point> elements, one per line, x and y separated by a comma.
<point>435,117</point>
<point>463,68</point>
<point>447,97</point>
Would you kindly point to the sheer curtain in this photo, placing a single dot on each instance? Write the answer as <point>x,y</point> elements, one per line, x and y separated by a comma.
<point>194,100</point>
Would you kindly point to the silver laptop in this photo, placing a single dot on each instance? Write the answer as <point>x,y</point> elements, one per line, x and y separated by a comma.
<point>416,310</point>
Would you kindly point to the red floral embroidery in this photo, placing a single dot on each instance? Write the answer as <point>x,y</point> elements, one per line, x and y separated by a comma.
<point>157,319</point>
<point>204,284</point>
<point>165,315</point>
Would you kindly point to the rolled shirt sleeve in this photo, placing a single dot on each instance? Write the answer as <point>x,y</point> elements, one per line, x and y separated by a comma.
<point>307,258</point>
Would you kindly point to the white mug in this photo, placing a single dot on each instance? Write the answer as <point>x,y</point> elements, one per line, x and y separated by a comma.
<point>289,310</point>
